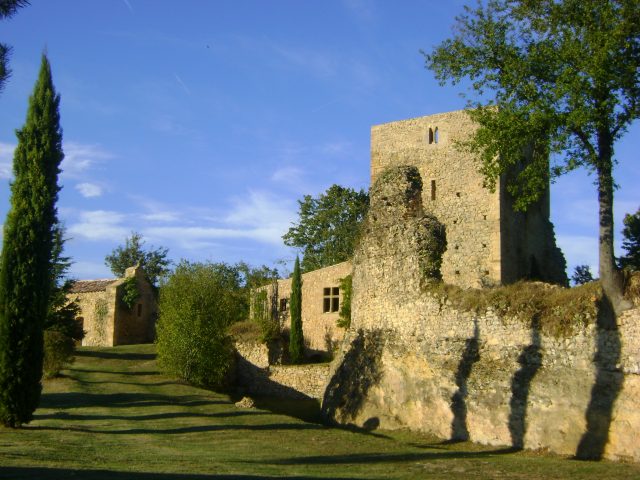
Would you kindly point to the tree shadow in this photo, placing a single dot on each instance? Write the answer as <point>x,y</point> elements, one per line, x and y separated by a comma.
<point>470,355</point>
<point>530,360</point>
<point>361,369</point>
<point>113,372</point>
<point>141,418</point>
<point>608,384</point>
<point>115,355</point>
<point>121,400</point>
<point>49,473</point>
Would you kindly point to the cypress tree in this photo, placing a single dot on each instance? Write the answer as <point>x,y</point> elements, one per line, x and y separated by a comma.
<point>25,277</point>
<point>296,340</point>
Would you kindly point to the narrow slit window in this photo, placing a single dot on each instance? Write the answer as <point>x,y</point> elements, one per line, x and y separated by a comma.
<point>433,190</point>
<point>331,300</point>
<point>430,135</point>
<point>284,304</point>
<point>436,135</point>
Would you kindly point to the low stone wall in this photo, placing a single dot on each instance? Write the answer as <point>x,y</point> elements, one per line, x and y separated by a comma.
<point>255,375</point>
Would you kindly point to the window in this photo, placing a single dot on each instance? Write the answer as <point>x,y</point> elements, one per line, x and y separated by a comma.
<point>139,309</point>
<point>430,135</point>
<point>284,304</point>
<point>433,189</point>
<point>436,136</point>
<point>331,300</point>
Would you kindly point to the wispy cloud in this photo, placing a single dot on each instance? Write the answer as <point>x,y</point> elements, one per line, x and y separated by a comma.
<point>128,4</point>
<point>362,10</point>
<point>100,225</point>
<point>182,84</point>
<point>79,158</point>
<point>89,190</point>
<point>6,160</point>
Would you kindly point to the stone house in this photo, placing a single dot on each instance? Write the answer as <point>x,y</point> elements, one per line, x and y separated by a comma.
<point>321,300</point>
<point>106,320</point>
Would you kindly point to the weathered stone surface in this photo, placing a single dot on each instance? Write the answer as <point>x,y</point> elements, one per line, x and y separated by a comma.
<point>411,360</point>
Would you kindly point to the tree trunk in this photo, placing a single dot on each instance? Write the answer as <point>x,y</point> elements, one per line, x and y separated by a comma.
<point>611,277</point>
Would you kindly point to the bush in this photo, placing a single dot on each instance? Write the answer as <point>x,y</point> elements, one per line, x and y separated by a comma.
<point>58,352</point>
<point>198,302</point>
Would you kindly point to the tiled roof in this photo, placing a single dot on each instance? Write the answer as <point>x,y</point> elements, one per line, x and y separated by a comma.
<point>86,286</point>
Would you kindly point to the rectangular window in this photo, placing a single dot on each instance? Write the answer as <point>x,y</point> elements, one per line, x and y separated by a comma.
<point>139,309</point>
<point>284,304</point>
<point>331,300</point>
<point>433,189</point>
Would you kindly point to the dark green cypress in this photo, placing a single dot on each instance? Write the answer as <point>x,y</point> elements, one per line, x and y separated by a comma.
<point>25,277</point>
<point>296,340</point>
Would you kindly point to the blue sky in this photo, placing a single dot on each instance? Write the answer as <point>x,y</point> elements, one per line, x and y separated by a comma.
<point>200,123</point>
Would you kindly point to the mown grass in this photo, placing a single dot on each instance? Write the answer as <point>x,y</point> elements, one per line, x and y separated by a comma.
<point>114,416</point>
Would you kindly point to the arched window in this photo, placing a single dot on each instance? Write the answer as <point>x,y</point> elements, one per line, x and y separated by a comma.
<point>436,136</point>
<point>430,135</point>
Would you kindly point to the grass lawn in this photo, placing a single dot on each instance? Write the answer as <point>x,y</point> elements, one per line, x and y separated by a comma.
<point>114,416</point>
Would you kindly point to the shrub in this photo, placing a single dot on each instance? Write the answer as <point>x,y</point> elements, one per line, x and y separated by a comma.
<point>198,302</point>
<point>130,292</point>
<point>58,352</point>
<point>344,319</point>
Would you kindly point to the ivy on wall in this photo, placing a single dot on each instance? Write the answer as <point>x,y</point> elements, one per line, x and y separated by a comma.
<point>130,292</point>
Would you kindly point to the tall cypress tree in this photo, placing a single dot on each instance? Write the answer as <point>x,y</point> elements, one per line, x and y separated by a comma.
<point>296,340</point>
<point>25,277</point>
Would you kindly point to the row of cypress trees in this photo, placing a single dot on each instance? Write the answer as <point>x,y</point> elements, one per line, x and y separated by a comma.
<point>26,268</point>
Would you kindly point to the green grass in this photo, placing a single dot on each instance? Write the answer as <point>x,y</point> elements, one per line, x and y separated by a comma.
<point>113,416</point>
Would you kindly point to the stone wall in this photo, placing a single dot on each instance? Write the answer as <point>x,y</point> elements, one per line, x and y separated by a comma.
<point>488,243</point>
<point>412,360</point>
<point>254,375</point>
<point>96,311</point>
<point>321,334</point>
<point>135,325</point>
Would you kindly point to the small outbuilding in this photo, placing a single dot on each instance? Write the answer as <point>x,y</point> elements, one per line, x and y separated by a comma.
<point>117,311</point>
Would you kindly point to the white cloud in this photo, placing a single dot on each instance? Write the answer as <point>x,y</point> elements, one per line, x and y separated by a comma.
<point>79,158</point>
<point>6,159</point>
<point>100,225</point>
<point>288,175</point>
<point>89,190</point>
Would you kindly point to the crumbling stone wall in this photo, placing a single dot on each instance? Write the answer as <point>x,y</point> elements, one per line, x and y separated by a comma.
<point>488,242</point>
<point>412,360</point>
<point>97,317</point>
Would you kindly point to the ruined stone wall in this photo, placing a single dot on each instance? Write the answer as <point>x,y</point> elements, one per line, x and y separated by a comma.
<point>488,243</point>
<point>412,360</point>
<point>321,334</point>
<point>254,375</point>
<point>97,311</point>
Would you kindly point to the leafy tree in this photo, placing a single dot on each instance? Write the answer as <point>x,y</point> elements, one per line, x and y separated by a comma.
<point>328,226</point>
<point>581,275</point>
<point>296,339</point>
<point>631,241</point>
<point>153,260</point>
<point>197,303</point>
<point>25,278</point>
<point>565,82</point>
<point>8,8</point>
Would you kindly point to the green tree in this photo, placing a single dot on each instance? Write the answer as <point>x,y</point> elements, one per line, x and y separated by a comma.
<point>8,8</point>
<point>581,275</point>
<point>296,338</point>
<point>197,303</point>
<point>153,260</point>
<point>25,277</point>
<point>631,241</point>
<point>564,79</point>
<point>328,226</point>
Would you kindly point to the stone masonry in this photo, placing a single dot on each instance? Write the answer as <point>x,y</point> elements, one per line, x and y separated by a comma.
<point>488,243</point>
<point>410,359</point>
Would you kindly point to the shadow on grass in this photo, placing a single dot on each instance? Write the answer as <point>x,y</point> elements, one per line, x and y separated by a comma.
<point>121,400</point>
<point>137,418</point>
<point>307,410</point>
<point>113,372</point>
<point>115,355</point>
<point>59,473</point>
<point>382,457</point>
<point>182,430</point>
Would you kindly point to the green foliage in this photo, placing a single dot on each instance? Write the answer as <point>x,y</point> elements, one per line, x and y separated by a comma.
<point>631,242</point>
<point>296,339</point>
<point>581,275</point>
<point>153,260</point>
<point>58,352</point>
<point>198,302</point>
<point>262,315</point>
<point>344,318</point>
<point>130,292</point>
<point>565,83</point>
<point>8,8</point>
<point>328,226</point>
<point>25,278</point>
